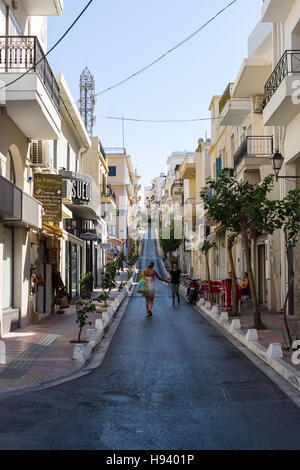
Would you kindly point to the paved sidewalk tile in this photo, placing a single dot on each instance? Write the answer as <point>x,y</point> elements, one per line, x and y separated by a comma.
<point>43,351</point>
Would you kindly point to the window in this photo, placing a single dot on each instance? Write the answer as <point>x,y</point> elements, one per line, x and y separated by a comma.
<point>10,170</point>
<point>13,26</point>
<point>55,154</point>
<point>218,167</point>
<point>112,171</point>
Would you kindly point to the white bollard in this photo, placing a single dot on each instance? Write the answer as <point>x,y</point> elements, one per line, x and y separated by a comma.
<point>274,351</point>
<point>201,301</point>
<point>105,318</point>
<point>224,316</point>
<point>296,344</point>
<point>251,335</point>
<point>2,352</point>
<point>79,352</point>
<point>215,310</point>
<point>99,325</point>
<point>235,325</point>
<point>92,335</point>
<point>207,305</point>
<point>110,312</point>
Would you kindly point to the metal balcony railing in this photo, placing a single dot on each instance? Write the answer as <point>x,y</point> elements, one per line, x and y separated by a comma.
<point>109,192</point>
<point>288,64</point>
<point>19,54</point>
<point>254,146</point>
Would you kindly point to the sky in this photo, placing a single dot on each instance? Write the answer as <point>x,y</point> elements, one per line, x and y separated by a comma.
<point>115,38</point>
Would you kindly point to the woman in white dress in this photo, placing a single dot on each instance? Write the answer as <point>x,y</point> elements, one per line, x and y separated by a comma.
<point>150,274</point>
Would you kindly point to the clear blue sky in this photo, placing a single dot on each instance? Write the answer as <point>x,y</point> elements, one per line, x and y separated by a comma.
<point>116,37</point>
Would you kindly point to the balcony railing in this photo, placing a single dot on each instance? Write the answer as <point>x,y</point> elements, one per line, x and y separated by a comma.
<point>225,97</point>
<point>288,64</point>
<point>115,151</point>
<point>19,54</point>
<point>254,147</point>
<point>109,192</point>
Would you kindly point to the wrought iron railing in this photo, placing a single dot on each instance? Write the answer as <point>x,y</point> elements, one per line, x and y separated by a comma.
<point>19,54</point>
<point>288,64</point>
<point>254,146</point>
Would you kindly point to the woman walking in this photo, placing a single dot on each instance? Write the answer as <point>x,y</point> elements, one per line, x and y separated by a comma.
<point>150,274</point>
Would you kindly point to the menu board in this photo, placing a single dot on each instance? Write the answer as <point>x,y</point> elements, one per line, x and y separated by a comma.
<point>48,191</point>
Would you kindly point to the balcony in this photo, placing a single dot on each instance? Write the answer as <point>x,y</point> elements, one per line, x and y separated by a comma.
<point>18,208</point>
<point>43,8</point>
<point>254,151</point>
<point>188,167</point>
<point>275,11</point>
<point>36,94</point>
<point>252,78</point>
<point>225,97</point>
<point>178,189</point>
<point>235,111</point>
<point>282,85</point>
<point>108,195</point>
<point>115,151</point>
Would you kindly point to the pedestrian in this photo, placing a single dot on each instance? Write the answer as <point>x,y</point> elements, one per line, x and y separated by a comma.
<point>150,274</point>
<point>175,281</point>
<point>245,288</point>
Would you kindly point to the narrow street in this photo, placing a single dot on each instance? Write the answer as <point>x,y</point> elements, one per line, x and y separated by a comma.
<point>169,382</point>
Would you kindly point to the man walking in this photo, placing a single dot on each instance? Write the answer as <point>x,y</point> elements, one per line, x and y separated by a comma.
<point>175,281</point>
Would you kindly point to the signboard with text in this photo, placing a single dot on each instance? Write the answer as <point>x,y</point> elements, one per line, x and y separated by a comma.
<point>48,191</point>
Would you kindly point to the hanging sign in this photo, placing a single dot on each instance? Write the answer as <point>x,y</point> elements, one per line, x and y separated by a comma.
<point>48,191</point>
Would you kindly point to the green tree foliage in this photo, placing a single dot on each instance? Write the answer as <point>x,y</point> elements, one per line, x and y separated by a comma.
<point>83,309</point>
<point>86,285</point>
<point>168,241</point>
<point>288,211</point>
<point>239,206</point>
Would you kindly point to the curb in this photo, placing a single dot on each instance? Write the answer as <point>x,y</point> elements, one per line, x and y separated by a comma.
<point>90,348</point>
<point>289,373</point>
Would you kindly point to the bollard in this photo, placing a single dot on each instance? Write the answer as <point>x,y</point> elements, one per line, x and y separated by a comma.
<point>99,324</point>
<point>251,335</point>
<point>215,310</point>
<point>207,305</point>
<point>105,318</point>
<point>224,316</point>
<point>79,352</point>
<point>235,325</point>
<point>2,352</point>
<point>274,351</point>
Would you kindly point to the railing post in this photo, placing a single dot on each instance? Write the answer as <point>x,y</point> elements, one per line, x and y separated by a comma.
<point>35,53</point>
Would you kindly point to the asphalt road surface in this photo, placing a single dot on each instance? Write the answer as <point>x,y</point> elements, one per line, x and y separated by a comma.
<point>167,382</point>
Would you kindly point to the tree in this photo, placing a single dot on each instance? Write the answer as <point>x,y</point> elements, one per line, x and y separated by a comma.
<point>239,206</point>
<point>167,240</point>
<point>206,246</point>
<point>288,211</point>
<point>119,261</point>
<point>83,308</point>
<point>86,285</point>
<point>108,281</point>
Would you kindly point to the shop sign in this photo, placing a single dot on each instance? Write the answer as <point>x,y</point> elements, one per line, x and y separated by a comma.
<point>48,191</point>
<point>89,235</point>
<point>105,246</point>
<point>81,190</point>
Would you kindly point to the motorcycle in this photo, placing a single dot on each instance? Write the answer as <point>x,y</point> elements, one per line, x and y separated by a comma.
<point>193,291</point>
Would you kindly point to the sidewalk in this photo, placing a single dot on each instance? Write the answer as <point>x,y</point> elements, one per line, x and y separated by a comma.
<point>276,330</point>
<point>42,352</point>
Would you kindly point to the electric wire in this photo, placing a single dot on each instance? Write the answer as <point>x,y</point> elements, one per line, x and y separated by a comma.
<point>168,52</point>
<point>51,49</point>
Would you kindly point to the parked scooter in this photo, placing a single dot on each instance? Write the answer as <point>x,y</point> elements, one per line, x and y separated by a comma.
<point>193,291</point>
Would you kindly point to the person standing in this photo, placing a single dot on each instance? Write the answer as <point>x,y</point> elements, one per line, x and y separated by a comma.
<point>150,274</point>
<point>175,274</point>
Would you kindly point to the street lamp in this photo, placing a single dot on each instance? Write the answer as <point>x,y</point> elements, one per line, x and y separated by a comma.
<point>277,162</point>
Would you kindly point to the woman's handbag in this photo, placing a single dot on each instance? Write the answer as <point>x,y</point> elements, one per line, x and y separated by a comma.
<point>142,287</point>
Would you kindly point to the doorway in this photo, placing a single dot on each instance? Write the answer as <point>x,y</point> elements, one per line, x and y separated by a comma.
<point>262,274</point>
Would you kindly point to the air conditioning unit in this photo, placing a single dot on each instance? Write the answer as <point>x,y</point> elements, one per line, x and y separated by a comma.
<point>67,191</point>
<point>258,104</point>
<point>40,154</point>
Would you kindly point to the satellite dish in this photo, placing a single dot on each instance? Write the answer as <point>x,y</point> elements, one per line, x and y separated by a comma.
<point>200,141</point>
